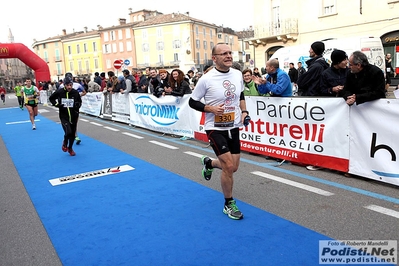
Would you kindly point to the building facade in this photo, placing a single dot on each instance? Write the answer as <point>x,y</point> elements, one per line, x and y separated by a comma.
<point>280,23</point>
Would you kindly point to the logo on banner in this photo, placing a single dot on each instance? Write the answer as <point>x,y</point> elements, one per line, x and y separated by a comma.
<point>4,51</point>
<point>374,148</point>
<point>161,114</point>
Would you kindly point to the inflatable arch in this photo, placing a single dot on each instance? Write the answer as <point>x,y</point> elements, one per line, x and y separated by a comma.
<point>23,53</point>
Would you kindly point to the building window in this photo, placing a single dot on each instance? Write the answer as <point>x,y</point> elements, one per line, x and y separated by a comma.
<point>71,66</point>
<point>198,59</point>
<point>212,45</point>
<point>107,48</point>
<point>78,49</point>
<point>144,34</point>
<point>128,34</point>
<point>121,47</point>
<point>160,57</point>
<point>80,67</point>
<point>329,7</point>
<point>160,46</point>
<point>85,47</point>
<point>196,31</point>
<point>146,47</point>
<point>159,32</point>
<point>129,46</point>
<point>45,56</point>
<point>44,45</point>
<point>203,31</point>
<point>57,55</point>
<point>106,38</point>
<point>96,63</point>
<point>87,66</point>
<point>59,70</point>
<point>112,35</point>
<point>197,44</point>
<point>176,57</point>
<point>120,34</point>
<point>69,50</point>
<point>114,47</point>
<point>205,45</point>
<point>211,33</point>
<point>176,44</point>
<point>94,47</point>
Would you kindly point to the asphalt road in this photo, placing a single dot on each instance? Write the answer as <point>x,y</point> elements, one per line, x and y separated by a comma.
<point>344,208</point>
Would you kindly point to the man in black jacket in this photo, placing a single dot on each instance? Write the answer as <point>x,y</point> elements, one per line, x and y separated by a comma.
<point>308,83</point>
<point>365,82</point>
<point>68,101</point>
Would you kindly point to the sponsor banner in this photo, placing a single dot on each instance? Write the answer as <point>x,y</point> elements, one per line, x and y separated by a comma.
<point>305,130</point>
<point>373,147</point>
<point>352,252</point>
<point>4,51</point>
<point>43,97</point>
<point>120,107</point>
<point>107,106</point>
<point>91,103</point>
<point>89,175</point>
<point>167,114</point>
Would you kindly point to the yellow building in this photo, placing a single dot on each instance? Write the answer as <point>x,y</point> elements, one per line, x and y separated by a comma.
<point>83,53</point>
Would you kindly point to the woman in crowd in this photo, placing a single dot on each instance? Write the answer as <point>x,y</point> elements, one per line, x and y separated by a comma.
<point>178,85</point>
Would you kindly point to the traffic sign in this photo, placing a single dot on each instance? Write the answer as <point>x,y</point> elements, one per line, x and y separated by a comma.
<point>118,63</point>
<point>126,62</point>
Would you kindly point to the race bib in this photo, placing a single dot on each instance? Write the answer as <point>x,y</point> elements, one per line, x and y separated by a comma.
<point>224,120</point>
<point>67,102</point>
<point>388,69</point>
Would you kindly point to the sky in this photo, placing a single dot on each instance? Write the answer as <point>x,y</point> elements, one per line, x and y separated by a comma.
<point>42,19</point>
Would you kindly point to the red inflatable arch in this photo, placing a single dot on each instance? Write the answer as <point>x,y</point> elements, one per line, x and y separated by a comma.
<point>23,53</point>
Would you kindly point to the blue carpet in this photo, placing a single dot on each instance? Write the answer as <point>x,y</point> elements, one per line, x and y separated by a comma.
<point>147,216</point>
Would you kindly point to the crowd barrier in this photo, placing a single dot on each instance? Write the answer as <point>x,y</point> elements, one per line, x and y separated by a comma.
<point>325,132</point>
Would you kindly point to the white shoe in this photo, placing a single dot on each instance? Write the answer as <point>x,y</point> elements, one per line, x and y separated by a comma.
<point>34,127</point>
<point>312,168</point>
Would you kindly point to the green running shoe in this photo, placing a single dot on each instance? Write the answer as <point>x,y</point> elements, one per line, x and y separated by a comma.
<point>232,210</point>
<point>206,173</point>
<point>78,140</point>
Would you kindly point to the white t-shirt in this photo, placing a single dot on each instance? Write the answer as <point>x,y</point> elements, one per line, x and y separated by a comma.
<point>217,88</point>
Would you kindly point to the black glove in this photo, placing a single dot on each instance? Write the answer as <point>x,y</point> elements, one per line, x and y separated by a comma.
<point>246,120</point>
<point>59,105</point>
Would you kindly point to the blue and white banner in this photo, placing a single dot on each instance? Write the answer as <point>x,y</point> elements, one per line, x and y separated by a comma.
<point>91,103</point>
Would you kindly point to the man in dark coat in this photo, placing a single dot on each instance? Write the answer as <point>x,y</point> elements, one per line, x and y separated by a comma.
<point>365,82</point>
<point>308,83</point>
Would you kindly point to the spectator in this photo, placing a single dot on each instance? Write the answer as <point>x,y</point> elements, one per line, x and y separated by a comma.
<point>103,84</point>
<point>97,78</point>
<point>333,78</point>
<point>300,69</point>
<point>309,82</point>
<point>153,80</point>
<point>256,72</point>
<point>277,82</point>
<point>250,87</point>
<point>120,84</point>
<point>159,86</point>
<point>388,70</point>
<point>293,74</point>
<point>93,86</point>
<point>365,82</point>
<point>196,78</point>
<point>178,84</point>
<point>131,84</point>
<point>189,76</point>
<point>143,83</point>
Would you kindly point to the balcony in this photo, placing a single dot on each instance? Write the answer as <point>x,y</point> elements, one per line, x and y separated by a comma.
<point>283,30</point>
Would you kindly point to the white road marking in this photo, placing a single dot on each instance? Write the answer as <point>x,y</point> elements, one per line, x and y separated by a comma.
<point>164,145</point>
<point>383,210</point>
<point>96,124</point>
<point>132,135</point>
<point>43,111</point>
<point>294,184</point>
<point>196,154</point>
<point>21,122</point>
<point>84,120</point>
<point>112,129</point>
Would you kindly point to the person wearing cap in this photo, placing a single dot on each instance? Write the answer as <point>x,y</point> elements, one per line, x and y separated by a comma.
<point>309,82</point>
<point>333,78</point>
<point>68,101</point>
<point>365,82</point>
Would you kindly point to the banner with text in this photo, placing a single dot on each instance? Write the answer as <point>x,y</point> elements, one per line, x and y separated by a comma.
<point>167,114</point>
<point>91,103</point>
<point>373,145</point>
